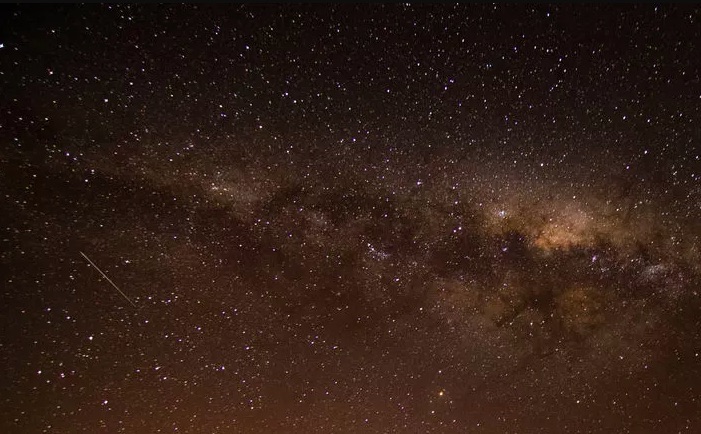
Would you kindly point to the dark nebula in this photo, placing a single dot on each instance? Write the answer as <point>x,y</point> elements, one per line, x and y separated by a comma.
<point>372,218</point>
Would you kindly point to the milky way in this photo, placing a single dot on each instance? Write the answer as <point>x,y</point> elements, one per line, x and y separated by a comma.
<point>350,219</point>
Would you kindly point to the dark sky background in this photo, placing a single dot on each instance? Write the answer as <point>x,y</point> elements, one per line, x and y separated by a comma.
<point>400,218</point>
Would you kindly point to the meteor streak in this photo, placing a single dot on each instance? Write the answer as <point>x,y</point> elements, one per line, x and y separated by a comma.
<point>108,279</point>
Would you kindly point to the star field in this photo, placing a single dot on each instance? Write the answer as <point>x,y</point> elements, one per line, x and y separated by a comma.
<point>365,218</point>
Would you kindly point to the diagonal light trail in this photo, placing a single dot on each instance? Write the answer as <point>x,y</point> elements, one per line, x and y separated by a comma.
<point>108,279</point>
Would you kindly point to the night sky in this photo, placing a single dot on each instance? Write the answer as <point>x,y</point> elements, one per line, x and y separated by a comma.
<point>400,218</point>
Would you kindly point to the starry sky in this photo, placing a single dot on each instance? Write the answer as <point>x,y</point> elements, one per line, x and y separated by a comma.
<point>364,218</point>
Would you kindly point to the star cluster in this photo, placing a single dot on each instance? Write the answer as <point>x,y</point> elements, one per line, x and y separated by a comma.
<point>369,218</point>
